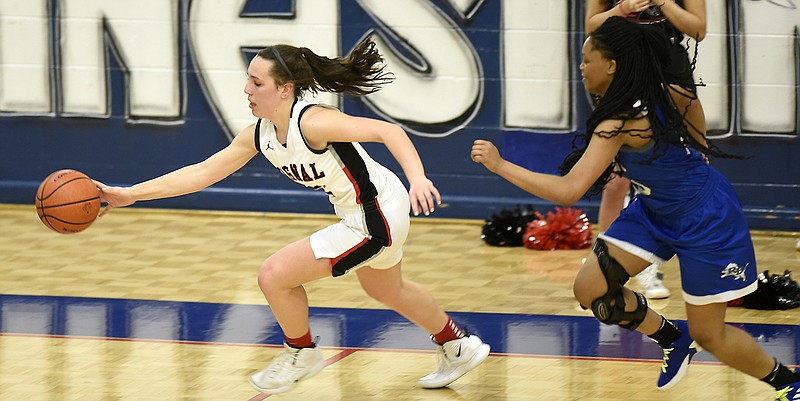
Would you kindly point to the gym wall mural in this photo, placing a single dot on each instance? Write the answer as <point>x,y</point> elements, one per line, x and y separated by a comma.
<point>125,91</point>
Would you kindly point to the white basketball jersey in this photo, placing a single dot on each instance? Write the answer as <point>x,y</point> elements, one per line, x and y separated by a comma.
<point>344,170</point>
<point>370,199</point>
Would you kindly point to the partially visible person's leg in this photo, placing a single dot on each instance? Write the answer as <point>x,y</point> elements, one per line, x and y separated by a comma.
<point>457,352</point>
<point>612,201</point>
<point>651,280</point>
<point>691,108</point>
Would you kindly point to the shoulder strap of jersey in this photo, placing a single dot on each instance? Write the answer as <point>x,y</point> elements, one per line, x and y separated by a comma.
<point>257,135</point>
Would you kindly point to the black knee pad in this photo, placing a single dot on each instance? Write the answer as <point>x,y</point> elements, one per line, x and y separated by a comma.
<point>610,308</point>
<point>636,317</point>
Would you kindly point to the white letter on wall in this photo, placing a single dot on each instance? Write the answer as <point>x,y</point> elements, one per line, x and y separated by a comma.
<point>712,67</point>
<point>144,34</point>
<point>219,34</point>
<point>536,64</point>
<point>445,86</point>
<point>25,83</point>
<point>769,90</point>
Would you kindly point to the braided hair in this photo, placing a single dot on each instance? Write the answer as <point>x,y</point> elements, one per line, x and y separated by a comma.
<point>359,73</point>
<point>638,90</point>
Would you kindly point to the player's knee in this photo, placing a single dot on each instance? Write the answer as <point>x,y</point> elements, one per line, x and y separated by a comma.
<point>267,275</point>
<point>708,342</point>
<point>383,294</point>
<point>615,310</point>
<point>584,291</point>
<point>632,319</point>
<point>387,291</point>
<point>610,308</point>
<point>379,296</point>
<point>710,338</point>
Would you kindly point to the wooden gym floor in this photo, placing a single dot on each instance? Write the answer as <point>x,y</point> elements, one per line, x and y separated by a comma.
<point>163,305</point>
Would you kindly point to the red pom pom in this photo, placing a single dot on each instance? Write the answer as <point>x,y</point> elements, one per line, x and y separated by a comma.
<point>565,229</point>
<point>736,302</point>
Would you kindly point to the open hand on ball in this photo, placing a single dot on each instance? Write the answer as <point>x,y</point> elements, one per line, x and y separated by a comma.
<point>113,197</point>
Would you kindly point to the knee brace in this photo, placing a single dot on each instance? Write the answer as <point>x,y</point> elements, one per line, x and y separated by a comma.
<point>610,308</point>
<point>636,317</point>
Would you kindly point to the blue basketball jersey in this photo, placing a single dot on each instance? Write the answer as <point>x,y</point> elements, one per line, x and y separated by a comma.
<point>672,178</point>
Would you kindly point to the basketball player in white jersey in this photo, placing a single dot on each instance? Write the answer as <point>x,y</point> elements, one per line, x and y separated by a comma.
<point>318,146</point>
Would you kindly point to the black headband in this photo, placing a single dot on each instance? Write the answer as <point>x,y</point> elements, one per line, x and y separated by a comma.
<point>279,59</point>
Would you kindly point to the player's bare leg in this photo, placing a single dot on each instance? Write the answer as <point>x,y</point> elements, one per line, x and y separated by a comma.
<point>281,280</point>
<point>455,357</point>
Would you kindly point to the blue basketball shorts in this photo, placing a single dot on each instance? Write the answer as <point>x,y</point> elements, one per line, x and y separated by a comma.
<point>711,240</point>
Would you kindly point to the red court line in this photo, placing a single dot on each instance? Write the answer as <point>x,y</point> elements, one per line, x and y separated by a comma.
<point>328,362</point>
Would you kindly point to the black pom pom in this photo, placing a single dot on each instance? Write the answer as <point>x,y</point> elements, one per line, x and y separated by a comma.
<point>775,292</point>
<point>507,227</point>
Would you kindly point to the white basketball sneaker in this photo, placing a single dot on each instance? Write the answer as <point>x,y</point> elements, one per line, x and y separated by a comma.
<point>455,359</point>
<point>288,368</point>
<point>651,281</point>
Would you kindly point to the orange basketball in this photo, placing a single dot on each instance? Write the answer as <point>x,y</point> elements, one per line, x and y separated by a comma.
<point>67,201</point>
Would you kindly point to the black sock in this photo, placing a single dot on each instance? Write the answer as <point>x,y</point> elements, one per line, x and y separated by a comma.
<point>781,376</point>
<point>666,334</point>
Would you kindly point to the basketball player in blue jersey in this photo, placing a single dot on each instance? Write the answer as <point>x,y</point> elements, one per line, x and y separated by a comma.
<point>318,146</point>
<point>676,18</point>
<point>682,207</point>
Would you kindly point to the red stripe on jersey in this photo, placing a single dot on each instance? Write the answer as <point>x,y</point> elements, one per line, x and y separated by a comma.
<point>349,251</point>
<point>355,184</point>
<point>385,222</point>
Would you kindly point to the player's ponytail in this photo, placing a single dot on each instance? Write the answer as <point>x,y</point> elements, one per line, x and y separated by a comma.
<point>359,73</point>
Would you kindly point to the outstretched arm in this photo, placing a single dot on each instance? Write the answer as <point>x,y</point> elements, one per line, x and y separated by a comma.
<point>564,190</point>
<point>187,179</point>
